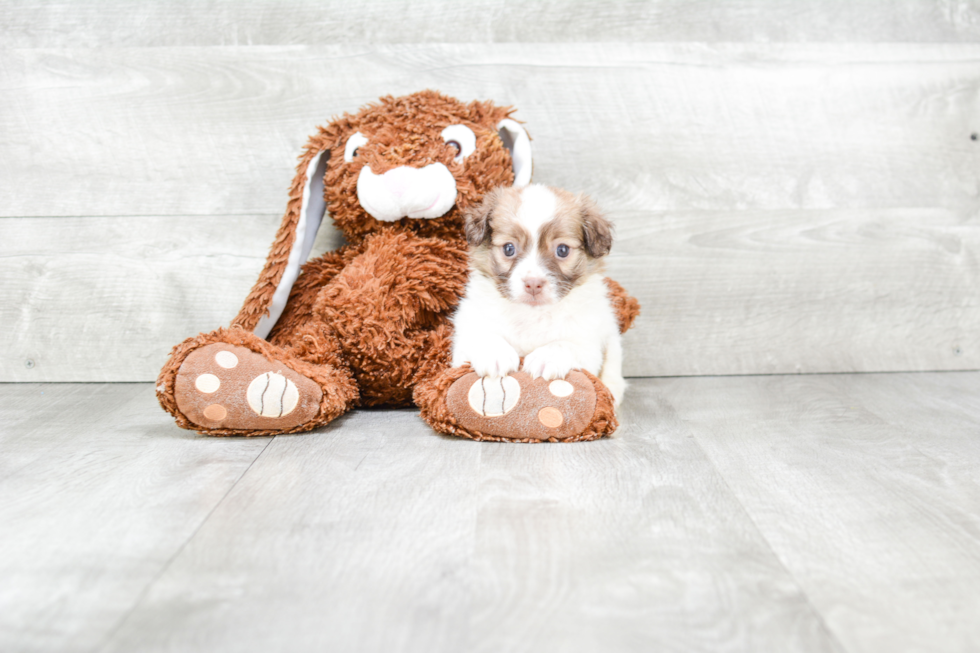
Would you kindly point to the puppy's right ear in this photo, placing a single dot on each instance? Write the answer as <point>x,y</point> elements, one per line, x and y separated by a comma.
<point>597,230</point>
<point>476,220</point>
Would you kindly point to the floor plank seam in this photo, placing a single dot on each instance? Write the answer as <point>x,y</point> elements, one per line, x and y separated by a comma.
<point>793,374</point>
<point>806,597</point>
<point>142,595</point>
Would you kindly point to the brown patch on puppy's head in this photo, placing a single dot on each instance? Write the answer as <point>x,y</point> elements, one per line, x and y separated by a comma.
<point>537,243</point>
<point>579,225</point>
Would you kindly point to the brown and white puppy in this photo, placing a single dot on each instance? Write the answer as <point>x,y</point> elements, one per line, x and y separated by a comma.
<point>536,289</point>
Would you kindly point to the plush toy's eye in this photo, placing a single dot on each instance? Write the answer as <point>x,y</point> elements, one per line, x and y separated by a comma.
<point>353,144</point>
<point>562,251</point>
<point>509,250</point>
<point>462,138</point>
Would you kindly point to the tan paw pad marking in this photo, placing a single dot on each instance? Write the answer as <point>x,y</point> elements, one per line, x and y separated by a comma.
<point>272,395</point>
<point>216,412</point>
<point>560,388</point>
<point>550,417</point>
<point>207,383</point>
<point>493,396</point>
<point>226,359</point>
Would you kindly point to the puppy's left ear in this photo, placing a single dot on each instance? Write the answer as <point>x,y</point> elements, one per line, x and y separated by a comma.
<point>476,220</point>
<point>597,231</point>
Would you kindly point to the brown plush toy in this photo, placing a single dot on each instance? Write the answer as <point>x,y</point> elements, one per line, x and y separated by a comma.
<point>368,324</point>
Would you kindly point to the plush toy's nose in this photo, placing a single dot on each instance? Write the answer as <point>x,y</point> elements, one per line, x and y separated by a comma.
<point>398,181</point>
<point>427,192</point>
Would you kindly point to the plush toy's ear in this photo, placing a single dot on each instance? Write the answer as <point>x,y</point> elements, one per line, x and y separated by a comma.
<point>310,217</point>
<point>517,141</point>
<point>292,247</point>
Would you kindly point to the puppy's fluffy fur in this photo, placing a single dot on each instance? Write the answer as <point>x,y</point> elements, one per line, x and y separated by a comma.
<point>536,288</point>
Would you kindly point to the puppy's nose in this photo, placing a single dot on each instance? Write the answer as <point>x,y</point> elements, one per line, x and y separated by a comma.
<point>533,285</point>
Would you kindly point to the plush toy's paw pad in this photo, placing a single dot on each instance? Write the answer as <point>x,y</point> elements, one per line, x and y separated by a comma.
<point>493,396</point>
<point>272,395</point>
<point>519,407</point>
<point>230,387</point>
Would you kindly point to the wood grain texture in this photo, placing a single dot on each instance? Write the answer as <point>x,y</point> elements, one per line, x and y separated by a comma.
<point>629,544</point>
<point>224,22</point>
<point>376,535</point>
<point>201,131</point>
<point>98,491</point>
<point>745,292</point>
<point>752,292</point>
<point>105,299</point>
<point>815,513</point>
<point>866,488</point>
<point>355,537</point>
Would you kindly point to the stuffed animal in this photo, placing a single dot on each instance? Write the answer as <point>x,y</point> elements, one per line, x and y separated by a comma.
<point>368,324</point>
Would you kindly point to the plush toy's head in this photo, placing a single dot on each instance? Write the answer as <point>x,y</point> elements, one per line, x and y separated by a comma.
<point>415,162</point>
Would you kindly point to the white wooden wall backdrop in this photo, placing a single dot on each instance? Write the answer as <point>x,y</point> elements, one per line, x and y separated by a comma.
<point>782,207</point>
<point>47,23</point>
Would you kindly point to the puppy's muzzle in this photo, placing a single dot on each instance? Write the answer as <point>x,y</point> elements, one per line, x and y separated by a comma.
<point>427,192</point>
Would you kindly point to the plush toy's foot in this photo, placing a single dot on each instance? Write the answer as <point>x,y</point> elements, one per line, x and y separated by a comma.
<point>517,408</point>
<point>230,382</point>
<point>222,386</point>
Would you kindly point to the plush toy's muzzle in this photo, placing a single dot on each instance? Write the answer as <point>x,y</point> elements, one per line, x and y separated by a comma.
<point>407,192</point>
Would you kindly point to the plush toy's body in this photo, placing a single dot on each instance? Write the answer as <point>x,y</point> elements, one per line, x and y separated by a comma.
<point>367,324</point>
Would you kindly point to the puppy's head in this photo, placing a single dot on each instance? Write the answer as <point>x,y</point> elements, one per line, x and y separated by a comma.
<point>537,243</point>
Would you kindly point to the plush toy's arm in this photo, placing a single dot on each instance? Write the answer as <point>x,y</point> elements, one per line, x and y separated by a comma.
<point>626,306</point>
<point>315,274</point>
<point>399,278</point>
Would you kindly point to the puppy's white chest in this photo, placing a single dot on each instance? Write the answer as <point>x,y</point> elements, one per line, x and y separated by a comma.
<point>528,330</point>
<point>583,315</point>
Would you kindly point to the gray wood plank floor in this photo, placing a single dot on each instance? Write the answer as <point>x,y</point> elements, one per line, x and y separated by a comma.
<point>783,513</point>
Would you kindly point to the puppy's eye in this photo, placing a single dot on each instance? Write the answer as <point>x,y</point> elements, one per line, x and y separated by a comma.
<point>354,143</point>
<point>562,251</point>
<point>509,250</point>
<point>462,139</point>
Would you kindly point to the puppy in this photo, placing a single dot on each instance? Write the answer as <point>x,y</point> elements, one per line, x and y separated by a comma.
<point>536,288</point>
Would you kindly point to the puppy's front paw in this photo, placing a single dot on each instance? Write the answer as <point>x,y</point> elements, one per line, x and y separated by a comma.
<point>495,359</point>
<point>550,362</point>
